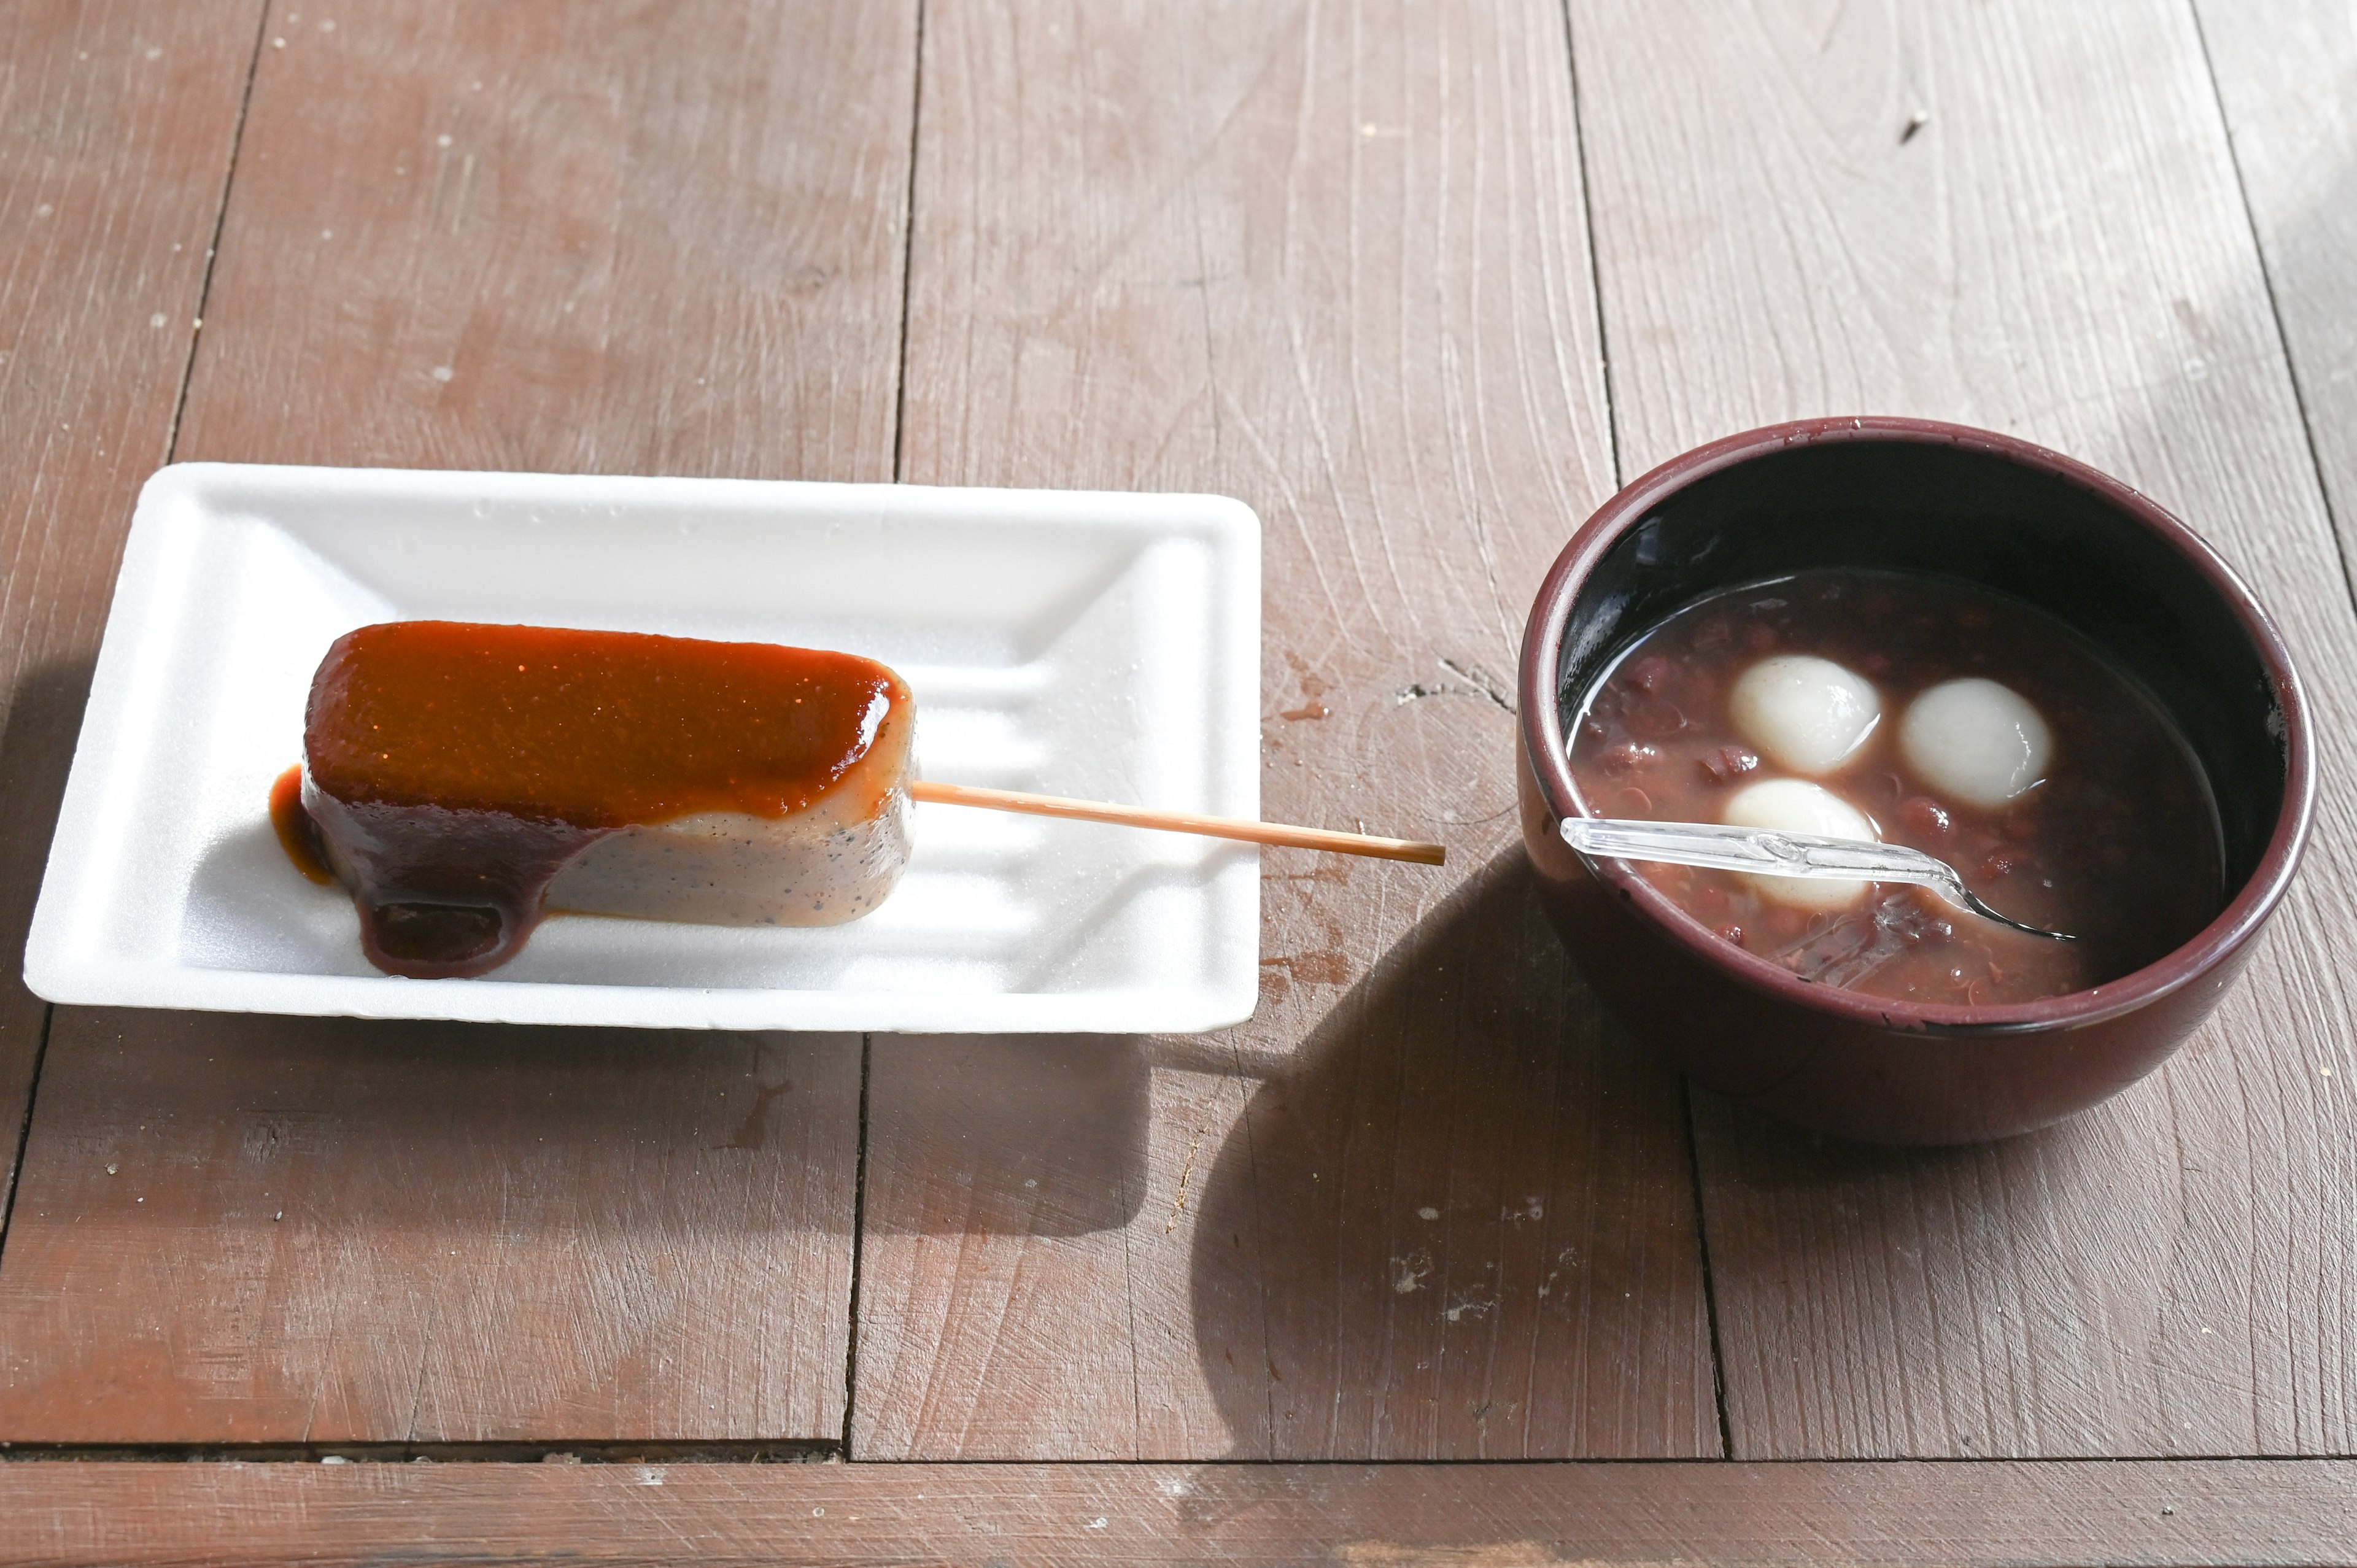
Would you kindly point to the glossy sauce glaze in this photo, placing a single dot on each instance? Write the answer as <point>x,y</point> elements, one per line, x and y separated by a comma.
<point>451,770</point>
<point>2118,842</point>
<point>292,825</point>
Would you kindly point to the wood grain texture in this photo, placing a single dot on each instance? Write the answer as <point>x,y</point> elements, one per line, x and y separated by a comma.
<point>1329,259</point>
<point>309,1231</point>
<point>2286,77</point>
<point>1497,1516</point>
<point>652,238</point>
<point>606,238</point>
<point>115,127</point>
<point>2057,250</point>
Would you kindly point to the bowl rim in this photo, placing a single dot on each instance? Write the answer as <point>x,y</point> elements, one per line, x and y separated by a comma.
<point>2191,960</point>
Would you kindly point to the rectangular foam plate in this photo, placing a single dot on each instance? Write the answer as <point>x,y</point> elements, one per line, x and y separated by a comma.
<point>1105,645</point>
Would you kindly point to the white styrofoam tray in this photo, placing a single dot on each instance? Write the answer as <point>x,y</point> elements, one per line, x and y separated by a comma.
<point>1097,645</point>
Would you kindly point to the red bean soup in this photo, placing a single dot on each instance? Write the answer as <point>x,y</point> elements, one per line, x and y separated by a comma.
<point>1929,713</point>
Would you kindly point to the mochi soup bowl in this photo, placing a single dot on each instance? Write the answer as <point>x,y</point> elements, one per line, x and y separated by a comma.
<point>1913,496</point>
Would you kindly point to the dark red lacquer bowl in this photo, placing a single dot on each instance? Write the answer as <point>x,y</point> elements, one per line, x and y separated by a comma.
<point>1909,494</point>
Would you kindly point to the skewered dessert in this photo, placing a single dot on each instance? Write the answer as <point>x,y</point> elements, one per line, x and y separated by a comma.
<point>466,780</point>
<point>463,779</point>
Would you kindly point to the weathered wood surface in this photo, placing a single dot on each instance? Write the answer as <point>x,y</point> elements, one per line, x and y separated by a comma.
<point>662,239</point>
<point>600,237</point>
<point>1333,261</point>
<point>1429,1203</point>
<point>1516,1516</point>
<point>313,1231</point>
<point>2059,250</point>
<point>2286,75</point>
<point>115,128</point>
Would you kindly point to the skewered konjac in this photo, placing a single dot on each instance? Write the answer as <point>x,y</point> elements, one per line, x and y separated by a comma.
<point>464,781</point>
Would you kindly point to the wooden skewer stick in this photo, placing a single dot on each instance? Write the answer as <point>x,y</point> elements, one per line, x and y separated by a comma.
<point>1177,822</point>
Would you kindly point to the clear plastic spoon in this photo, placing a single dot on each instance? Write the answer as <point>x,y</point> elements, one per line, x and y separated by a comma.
<point>1766,852</point>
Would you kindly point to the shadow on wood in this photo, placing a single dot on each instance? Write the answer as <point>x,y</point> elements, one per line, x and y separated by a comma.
<point>221,1103</point>
<point>1453,1221</point>
<point>43,716</point>
<point>291,1229</point>
<point>1016,1135</point>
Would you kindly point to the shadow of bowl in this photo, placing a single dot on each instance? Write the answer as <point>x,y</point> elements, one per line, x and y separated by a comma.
<point>1459,1222</point>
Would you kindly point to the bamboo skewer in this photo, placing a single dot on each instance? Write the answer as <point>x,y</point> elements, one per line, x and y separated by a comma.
<point>1177,822</point>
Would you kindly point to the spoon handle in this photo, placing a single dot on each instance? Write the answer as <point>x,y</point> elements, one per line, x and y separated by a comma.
<point>1765,852</point>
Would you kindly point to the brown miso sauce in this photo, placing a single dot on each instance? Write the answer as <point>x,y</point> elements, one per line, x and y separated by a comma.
<point>2119,843</point>
<point>292,825</point>
<point>454,769</point>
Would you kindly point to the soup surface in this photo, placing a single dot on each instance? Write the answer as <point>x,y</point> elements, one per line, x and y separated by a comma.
<point>1951,720</point>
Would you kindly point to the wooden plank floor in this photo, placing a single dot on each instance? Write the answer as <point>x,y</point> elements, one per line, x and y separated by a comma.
<point>1422,285</point>
<point>1517,1516</point>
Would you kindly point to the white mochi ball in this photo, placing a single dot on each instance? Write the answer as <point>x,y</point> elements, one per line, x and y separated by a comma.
<point>1977,741</point>
<point>1795,805</point>
<point>1803,713</point>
